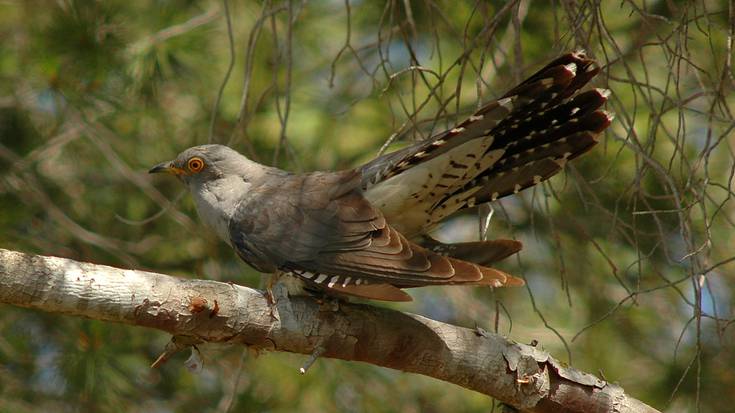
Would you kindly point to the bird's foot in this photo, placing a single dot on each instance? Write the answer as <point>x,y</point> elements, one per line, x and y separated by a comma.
<point>272,302</point>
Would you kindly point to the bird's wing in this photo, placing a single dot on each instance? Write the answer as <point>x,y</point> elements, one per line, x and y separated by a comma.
<point>320,227</point>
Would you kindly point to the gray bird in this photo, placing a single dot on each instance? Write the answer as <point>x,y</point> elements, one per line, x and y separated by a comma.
<point>358,231</point>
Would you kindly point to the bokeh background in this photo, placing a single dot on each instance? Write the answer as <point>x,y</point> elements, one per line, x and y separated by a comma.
<point>629,253</point>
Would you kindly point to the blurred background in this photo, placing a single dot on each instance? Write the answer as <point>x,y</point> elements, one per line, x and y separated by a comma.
<point>628,253</point>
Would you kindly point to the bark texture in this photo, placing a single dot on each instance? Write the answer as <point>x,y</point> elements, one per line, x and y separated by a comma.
<point>210,311</point>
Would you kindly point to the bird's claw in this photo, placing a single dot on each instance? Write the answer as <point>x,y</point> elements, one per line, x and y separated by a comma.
<point>270,298</point>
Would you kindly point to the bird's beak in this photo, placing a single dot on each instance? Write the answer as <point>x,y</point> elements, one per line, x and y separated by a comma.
<point>166,167</point>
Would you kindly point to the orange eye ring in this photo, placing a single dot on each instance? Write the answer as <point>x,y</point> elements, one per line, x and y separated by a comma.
<point>195,164</point>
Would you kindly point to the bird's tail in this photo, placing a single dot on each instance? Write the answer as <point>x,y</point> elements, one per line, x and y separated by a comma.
<point>547,125</point>
<point>508,145</point>
<point>484,253</point>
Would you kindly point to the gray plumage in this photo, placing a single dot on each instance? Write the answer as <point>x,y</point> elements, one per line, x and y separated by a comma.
<point>318,226</point>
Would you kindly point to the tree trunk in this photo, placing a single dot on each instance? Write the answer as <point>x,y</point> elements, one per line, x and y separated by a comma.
<point>208,311</point>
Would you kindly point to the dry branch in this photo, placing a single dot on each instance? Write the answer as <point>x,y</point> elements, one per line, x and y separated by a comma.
<point>209,311</point>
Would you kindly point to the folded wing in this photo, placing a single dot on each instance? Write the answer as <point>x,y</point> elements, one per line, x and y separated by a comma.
<point>320,227</point>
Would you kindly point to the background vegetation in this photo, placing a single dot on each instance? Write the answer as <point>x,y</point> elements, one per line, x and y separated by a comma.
<point>628,253</point>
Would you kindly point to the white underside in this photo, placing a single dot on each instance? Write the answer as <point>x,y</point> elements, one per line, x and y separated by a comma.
<point>216,202</point>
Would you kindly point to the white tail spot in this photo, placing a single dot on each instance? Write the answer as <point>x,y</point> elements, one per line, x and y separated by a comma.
<point>507,103</point>
<point>604,92</point>
<point>333,281</point>
<point>320,279</point>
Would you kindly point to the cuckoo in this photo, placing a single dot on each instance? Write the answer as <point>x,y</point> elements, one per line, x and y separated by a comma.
<point>362,232</point>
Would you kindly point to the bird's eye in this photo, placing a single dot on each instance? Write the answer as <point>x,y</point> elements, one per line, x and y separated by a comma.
<point>195,164</point>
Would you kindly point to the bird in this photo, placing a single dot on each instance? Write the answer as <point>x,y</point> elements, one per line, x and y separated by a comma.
<point>363,231</point>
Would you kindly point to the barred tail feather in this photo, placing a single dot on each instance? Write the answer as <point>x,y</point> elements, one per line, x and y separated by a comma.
<point>510,144</point>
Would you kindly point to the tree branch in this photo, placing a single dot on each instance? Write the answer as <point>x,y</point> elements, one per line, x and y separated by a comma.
<point>209,311</point>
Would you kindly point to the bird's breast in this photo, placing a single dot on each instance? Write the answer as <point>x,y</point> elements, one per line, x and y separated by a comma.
<point>216,202</point>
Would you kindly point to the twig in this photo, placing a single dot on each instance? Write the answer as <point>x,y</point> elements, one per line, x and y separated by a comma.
<point>318,351</point>
<point>231,42</point>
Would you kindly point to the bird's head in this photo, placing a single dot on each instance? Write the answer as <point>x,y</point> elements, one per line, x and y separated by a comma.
<point>201,164</point>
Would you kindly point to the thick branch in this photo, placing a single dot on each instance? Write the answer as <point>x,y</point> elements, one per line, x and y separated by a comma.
<point>519,375</point>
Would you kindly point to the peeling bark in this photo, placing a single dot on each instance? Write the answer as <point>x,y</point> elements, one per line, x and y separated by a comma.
<point>209,311</point>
